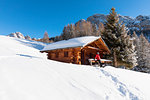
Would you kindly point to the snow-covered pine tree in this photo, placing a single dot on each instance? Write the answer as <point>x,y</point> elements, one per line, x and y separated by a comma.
<point>136,42</point>
<point>128,54</point>
<point>143,53</point>
<point>120,43</point>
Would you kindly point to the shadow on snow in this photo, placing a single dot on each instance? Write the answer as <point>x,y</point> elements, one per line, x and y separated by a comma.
<point>34,44</point>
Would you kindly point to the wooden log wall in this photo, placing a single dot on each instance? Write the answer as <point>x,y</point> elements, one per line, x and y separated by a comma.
<point>73,55</point>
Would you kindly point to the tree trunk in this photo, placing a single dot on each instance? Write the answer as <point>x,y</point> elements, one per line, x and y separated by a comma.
<point>115,58</point>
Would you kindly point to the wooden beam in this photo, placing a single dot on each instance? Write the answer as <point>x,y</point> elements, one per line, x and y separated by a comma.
<point>94,48</point>
<point>101,45</point>
<point>97,44</point>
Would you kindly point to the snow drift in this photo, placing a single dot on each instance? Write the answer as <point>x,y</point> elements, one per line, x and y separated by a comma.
<point>26,74</point>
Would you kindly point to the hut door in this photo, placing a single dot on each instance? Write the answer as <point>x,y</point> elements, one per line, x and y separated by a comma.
<point>82,56</point>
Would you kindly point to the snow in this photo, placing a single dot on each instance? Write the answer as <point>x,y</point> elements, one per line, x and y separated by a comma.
<point>101,59</point>
<point>137,22</point>
<point>75,42</point>
<point>26,74</point>
<point>17,35</point>
<point>134,28</point>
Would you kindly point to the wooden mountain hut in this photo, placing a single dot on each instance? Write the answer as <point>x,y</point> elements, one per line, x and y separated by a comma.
<point>77,50</point>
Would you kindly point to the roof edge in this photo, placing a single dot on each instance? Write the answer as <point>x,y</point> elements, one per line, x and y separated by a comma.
<point>60,48</point>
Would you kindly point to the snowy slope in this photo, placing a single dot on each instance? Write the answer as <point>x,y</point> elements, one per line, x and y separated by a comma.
<point>26,74</point>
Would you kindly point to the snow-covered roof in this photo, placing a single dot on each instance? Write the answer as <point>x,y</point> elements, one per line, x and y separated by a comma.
<point>75,42</point>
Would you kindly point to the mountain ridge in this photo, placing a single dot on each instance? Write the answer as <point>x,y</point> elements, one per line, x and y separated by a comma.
<point>139,24</point>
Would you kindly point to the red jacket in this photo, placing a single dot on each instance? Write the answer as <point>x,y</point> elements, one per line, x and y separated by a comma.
<point>97,57</point>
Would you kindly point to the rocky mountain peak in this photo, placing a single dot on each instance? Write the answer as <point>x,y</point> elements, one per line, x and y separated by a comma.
<point>17,35</point>
<point>28,37</point>
<point>140,24</point>
<point>141,17</point>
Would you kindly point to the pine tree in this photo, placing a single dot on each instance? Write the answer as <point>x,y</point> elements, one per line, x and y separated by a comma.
<point>143,51</point>
<point>120,43</point>
<point>148,59</point>
<point>100,29</point>
<point>45,38</point>
<point>83,28</point>
<point>46,35</point>
<point>64,34</point>
<point>94,30</point>
<point>72,31</point>
<point>136,42</point>
<point>68,33</point>
<point>77,29</point>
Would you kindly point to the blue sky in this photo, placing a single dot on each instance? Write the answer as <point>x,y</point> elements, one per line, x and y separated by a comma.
<point>34,17</point>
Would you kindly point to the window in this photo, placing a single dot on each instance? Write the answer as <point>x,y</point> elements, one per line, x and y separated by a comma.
<point>66,54</point>
<point>57,54</point>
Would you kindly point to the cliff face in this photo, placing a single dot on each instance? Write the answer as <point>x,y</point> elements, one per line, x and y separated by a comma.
<point>140,24</point>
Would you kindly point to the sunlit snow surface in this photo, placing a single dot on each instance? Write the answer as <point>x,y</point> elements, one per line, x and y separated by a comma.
<point>75,42</point>
<point>26,74</point>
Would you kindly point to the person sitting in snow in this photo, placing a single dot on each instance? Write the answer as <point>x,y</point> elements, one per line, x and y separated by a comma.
<point>97,57</point>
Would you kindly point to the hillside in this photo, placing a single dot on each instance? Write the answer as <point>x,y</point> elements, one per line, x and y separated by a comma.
<point>26,74</point>
<point>139,24</point>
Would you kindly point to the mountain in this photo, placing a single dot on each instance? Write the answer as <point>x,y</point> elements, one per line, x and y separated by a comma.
<point>26,74</point>
<point>28,37</point>
<point>17,35</point>
<point>140,24</point>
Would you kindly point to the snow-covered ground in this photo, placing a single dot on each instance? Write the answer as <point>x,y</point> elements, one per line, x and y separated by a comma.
<point>26,74</point>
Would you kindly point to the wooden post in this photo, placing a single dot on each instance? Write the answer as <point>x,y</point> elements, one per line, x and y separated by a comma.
<point>82,56</point>
<point>85,57</point>
<point>115,58</point>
